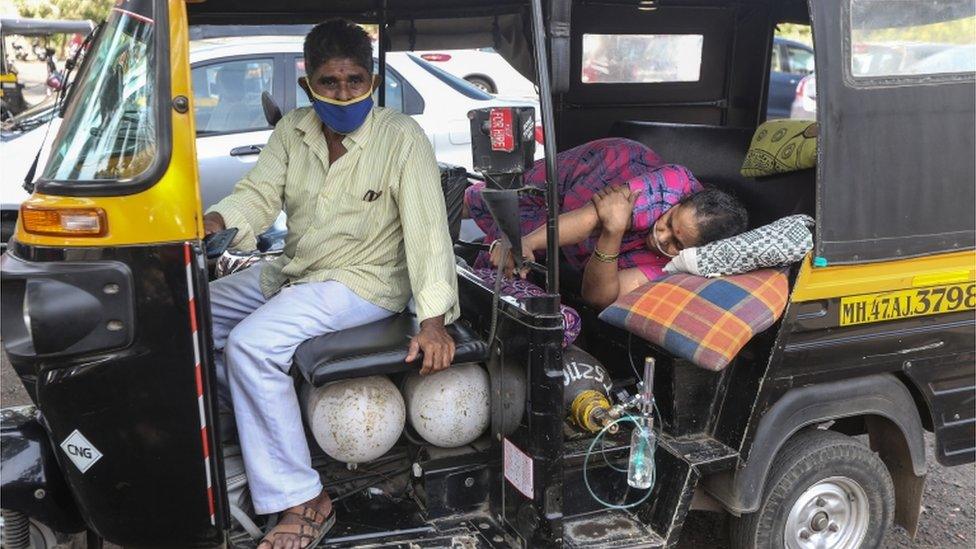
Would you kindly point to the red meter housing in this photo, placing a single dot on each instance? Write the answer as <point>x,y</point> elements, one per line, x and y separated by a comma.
<point>501,130</point>
<point>502,139</point>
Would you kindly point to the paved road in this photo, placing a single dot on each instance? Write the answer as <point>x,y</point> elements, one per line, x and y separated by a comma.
<point>948,519</point>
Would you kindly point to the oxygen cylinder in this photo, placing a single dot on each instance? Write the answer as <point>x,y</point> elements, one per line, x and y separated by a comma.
<point>586,386</point>
<point>355,420</point>
<point>449,408</point>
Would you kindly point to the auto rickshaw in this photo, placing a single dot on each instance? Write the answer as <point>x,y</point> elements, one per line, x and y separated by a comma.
<point>11,90</point>
<point>105,300</point>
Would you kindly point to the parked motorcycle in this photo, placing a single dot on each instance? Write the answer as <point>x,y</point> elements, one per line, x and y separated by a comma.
<point>55,78</point>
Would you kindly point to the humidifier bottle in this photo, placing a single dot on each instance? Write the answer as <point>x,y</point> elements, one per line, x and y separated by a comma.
<point>640,468</point>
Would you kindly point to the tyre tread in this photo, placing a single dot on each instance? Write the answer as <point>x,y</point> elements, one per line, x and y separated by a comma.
<point>806,451</point>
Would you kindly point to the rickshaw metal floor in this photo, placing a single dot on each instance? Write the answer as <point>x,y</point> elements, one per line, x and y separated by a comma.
<point>611,529</point>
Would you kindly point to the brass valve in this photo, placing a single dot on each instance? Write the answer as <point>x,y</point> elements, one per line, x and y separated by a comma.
<point>591,411</point>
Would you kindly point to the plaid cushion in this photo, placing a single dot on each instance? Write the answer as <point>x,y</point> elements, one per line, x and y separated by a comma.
<point>704,320</point>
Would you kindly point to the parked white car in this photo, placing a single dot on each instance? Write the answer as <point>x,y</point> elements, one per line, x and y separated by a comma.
<point>485,68</point>
<point>20,139</point>
<point>805,101</point>
<point>229,75</point>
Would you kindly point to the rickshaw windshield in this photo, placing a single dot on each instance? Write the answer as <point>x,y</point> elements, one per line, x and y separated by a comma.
<point>109,132</point>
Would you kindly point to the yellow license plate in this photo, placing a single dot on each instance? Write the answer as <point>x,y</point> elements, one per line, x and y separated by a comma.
<point>863,309</point>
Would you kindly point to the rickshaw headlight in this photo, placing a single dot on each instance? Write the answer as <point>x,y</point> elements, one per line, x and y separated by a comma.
<point>63,221</point>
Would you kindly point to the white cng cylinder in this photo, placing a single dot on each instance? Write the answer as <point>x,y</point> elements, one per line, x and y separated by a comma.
<point>356,420</point>
<point>449,408</point>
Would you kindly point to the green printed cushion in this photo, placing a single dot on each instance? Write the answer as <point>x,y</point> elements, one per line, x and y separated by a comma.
<point>781,146</point>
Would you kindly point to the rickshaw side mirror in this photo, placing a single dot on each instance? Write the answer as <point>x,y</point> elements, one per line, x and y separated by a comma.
<point>272,112</point>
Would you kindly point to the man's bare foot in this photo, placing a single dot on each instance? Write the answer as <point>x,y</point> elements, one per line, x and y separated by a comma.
<point>300,525</point>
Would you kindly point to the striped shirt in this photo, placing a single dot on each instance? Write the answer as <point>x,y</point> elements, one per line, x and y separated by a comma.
<point>374,220</point>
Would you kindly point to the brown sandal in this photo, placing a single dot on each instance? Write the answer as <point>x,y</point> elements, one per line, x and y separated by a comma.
<point>310,531</point>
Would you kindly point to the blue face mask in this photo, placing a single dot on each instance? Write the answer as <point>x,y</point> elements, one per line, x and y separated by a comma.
<point>342,116</point>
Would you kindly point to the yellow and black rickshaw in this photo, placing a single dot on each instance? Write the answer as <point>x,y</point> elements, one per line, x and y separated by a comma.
<point>106,318</point>
<point>11,89</point>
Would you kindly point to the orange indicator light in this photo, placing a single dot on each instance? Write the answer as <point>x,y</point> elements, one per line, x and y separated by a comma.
<point>63,221</point>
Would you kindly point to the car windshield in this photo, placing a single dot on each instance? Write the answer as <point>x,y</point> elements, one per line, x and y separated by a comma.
<point>109,132</point>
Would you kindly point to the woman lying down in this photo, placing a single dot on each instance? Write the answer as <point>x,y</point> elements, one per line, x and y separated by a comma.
<point>624,213</point>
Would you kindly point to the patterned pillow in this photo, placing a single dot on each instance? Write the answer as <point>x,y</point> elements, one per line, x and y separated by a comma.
<point>781,243</point>
<point>704,320</point>
<point>780,146</point>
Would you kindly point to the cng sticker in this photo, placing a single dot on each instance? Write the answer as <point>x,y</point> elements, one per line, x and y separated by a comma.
<point>80,451</point>
<point>518,469</point>
<point>950,298</point>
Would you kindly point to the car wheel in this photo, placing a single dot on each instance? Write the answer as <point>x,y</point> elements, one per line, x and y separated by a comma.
<point>824,489</point>
<point>481,82</point>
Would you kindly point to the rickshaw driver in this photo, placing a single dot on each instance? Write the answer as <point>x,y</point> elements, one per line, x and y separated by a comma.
<point>367,225</point>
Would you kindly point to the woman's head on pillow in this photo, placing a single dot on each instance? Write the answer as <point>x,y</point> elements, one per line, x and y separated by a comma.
<point>699,218</point>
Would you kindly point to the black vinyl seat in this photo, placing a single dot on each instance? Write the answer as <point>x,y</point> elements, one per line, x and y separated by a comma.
<point>381,347</point>
<point>375,349</point>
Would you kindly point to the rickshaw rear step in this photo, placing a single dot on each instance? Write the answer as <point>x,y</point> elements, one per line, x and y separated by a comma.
<point>680,463</point>
<point>613,529</point>
<point>700,451</point>
<point>475,530</point>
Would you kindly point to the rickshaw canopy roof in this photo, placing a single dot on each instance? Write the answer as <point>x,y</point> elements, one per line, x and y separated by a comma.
<point>257,12</point>
<point>43,27</point>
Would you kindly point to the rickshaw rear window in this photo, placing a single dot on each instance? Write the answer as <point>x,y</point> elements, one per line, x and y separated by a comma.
<point>641,58</point>
<point>109,132</point>
<point>909,38</point>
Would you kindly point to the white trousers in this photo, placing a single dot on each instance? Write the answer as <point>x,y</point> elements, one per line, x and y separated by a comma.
<point>254,340</point>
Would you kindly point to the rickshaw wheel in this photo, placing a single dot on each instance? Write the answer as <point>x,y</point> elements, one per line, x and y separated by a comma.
<point>824,489</point>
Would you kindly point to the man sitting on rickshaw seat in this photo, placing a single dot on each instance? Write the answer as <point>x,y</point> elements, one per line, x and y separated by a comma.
<point>367,229</point>
<point>624,213</point>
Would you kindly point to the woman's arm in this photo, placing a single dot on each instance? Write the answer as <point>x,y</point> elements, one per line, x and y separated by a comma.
<point>574,227</point>
<point>601,284</point>
<point>602,287</point>
<point>601,281</point>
